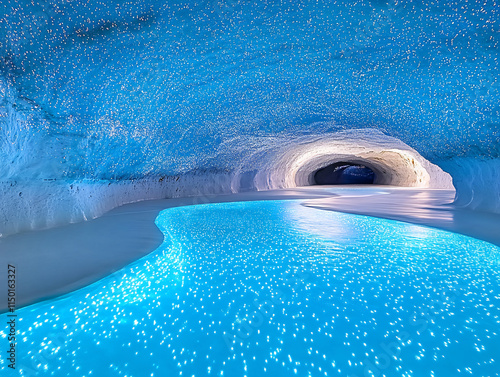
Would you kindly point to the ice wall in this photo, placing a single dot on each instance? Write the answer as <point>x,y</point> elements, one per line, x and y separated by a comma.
<point>40,205</point>
<point>115,91</point>
<point>477,181</point>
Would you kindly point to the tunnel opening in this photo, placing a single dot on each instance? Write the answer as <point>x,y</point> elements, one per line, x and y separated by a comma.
<point>344,173</point>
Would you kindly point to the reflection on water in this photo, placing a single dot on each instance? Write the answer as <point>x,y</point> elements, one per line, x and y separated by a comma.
<point>276,288</point>
<point>345,229</point>
<point>335,226</point>
<point>400,203</point>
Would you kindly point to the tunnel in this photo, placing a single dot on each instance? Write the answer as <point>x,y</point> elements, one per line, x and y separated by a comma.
<point>344,173</point>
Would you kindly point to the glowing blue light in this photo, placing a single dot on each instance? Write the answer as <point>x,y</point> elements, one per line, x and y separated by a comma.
<point>262,288</point>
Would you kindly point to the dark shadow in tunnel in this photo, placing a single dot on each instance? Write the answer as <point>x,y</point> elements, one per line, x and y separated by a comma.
<point>344,173</point>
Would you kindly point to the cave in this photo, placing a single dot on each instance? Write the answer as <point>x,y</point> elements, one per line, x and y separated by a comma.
<point>250,188</point>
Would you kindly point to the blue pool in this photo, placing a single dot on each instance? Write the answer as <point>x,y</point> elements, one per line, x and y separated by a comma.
<point>276,288</point>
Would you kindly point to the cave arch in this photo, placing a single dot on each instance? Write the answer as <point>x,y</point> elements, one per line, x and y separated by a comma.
<point>283,163</point>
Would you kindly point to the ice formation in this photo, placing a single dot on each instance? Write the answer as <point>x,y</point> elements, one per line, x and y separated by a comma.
<point>103,103</point>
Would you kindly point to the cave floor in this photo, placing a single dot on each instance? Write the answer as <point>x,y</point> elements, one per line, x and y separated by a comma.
<point>56,261</point>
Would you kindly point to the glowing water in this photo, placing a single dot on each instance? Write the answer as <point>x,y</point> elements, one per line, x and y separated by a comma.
<point>276,288</point>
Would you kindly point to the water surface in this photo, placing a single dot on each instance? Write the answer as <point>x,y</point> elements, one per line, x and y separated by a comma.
<point>276,288</point>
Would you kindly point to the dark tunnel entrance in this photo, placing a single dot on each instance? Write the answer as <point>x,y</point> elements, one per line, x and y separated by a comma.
<point>344,173</point>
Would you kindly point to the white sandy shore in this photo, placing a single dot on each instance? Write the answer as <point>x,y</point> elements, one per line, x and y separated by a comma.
<point>55,261</point>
